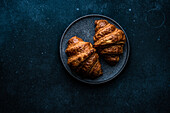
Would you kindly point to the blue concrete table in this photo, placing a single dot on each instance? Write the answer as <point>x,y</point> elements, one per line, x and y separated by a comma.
<point>33,79</point>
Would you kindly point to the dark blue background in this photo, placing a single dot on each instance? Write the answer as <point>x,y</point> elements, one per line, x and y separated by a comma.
<point>33,79</point>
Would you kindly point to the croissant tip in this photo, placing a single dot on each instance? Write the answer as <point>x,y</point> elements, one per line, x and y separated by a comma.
<point>74,37</point>
<point>96,22</point>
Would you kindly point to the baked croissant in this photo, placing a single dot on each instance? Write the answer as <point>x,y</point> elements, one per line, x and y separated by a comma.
<point>82,58</point>
<point>109,41</point>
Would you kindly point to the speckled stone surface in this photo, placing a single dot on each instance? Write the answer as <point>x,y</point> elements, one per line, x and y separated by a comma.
<point>33,79</point>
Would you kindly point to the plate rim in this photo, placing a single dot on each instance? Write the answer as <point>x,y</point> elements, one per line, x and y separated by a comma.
<point>121,69</point>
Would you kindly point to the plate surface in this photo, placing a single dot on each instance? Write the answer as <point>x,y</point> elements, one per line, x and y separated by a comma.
<point>84,28</point>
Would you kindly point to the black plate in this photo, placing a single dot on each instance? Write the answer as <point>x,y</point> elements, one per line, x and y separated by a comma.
<point>84,28</point>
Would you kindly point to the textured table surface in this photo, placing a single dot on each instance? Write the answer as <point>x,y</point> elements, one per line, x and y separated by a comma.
<point>33,79</point>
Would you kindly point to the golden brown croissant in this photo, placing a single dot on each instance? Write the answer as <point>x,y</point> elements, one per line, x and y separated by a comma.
<point>109,41</point>
<point>82,58</point>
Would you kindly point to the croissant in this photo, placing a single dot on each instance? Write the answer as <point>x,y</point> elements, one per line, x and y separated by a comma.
<point>109,41</point>
<point>82,58</point>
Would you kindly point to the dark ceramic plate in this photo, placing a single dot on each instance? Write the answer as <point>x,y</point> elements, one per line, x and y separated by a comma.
<point>84,28</point>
